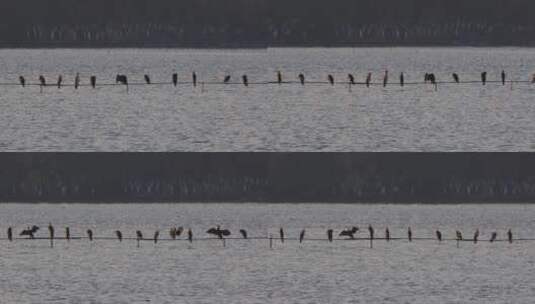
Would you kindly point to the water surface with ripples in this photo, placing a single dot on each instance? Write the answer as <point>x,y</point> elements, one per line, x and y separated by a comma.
<point>108,271</point>
<point>464,117</point>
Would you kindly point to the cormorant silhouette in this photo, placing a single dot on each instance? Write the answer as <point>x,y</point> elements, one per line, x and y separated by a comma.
<point>119,235</point>
<point>351,79</point>
<point>349,232</point>
<point>302,79</point>
<point>93,80</point>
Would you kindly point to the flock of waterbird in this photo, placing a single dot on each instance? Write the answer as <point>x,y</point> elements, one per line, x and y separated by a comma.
<point>121,79</point>
<point>224,234</point>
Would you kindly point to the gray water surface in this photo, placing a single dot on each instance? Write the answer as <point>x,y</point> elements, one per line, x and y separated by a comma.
<point>107,271</point>
<point>465,117</point>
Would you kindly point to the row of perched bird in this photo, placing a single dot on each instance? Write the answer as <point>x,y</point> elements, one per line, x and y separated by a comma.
<point>176,232</point>
<point>123,79</point>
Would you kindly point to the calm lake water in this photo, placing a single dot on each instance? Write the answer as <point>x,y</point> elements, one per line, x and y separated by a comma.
<point>106,271</point>
<point>466,117</point>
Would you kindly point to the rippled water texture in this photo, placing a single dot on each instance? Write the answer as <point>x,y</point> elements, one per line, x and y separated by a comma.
<point>106,271</point>
<point>466,117</point>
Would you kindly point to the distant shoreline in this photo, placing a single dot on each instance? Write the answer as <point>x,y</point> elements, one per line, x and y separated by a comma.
<point>215,46</point>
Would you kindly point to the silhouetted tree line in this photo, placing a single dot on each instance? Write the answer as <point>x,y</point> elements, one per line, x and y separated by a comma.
<point>215,23</point>
<point>267,177</point>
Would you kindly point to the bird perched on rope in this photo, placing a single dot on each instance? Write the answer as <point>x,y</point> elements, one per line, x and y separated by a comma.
<point>281,234</point>
<point>350,232</point>
<point>330,235</point>
<point>301,236</point>
<point>220,233</point>
<point>331,79</point>
<point>90,234</point>
<point>194,79</point>
<point>401,79</point>
<point>147,78</point>
<point>302,79</point>
<point>503,77</point>
<point>510,236</point>
<point>455,77</point>
<point>279,77</point>
<point>60,80</point>
<point>493,236</point>
<point>459,235</point>
<point>371,231</point>
<point>42,80</point>
<point>30,231</point>
<point>93,80</point>
<point>51,231</point>
<point>439,235</point>
<point>156,234</point>
<point>243,233</point>
<point>67,233</point>
<point>387,234</point>
<point>77,80</point>
<point>119,235</point>
<point>172,233</point>
<point>409,234</point>
<point>476,236</point>
<point>10,234</point>
<point>244,80</point>
<point>190,236</point>
<point>385,78</point>
<point>175,79</point>
<point>484,78</point>
<point>368,80</point>
<point>226,79</point>
<point>122,79</point>
<point>22,81</point>
<point>351,79</point>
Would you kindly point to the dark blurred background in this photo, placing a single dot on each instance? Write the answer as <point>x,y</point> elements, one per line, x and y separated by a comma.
<point>262,23</point>
<point>268,177</point>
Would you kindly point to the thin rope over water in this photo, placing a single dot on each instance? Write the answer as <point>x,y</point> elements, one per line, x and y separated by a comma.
<point>223,235</point>
<point>279,79</point>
